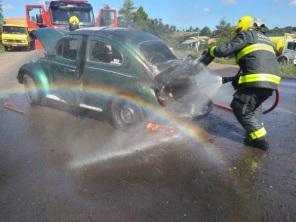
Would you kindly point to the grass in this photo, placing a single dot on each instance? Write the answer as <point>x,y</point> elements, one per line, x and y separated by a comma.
<point>289,70</point>
<point>1,48</point>
<point>229,61</point>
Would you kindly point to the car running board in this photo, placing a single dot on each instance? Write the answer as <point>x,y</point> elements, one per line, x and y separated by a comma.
<point>54,97</point>
<point>94,108</point>
<point>82,105</point>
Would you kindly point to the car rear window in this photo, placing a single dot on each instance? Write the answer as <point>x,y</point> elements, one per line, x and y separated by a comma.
<point>156,52</point>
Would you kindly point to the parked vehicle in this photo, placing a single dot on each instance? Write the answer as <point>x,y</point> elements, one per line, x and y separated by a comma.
<point>15,34</point>
<point>56,14</point>
<point>115,70</point>
<point>285,48</point>
<point>288,55</point>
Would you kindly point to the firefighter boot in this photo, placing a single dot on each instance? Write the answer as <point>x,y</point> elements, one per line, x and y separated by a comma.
<point>261,143</point>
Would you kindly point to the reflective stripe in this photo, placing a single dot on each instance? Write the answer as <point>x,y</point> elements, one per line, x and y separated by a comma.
<point>259,77</point>
<point>252,48</point>
<point>212,52</point>
<point>258,133</point>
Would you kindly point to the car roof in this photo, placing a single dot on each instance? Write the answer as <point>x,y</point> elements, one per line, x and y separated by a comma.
<point>124,35</point>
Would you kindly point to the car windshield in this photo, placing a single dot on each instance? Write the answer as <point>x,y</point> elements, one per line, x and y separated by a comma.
<point>292,46</point>
<point>14,30</point>
<point>61,14</point>
<point>156,52</point>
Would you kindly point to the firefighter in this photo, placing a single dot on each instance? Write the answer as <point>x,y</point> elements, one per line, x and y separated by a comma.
<point>73,23</point>
<point>257,79</point>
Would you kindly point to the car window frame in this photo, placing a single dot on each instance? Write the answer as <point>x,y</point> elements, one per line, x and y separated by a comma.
<point>105,41</point>
<point>61,41</point>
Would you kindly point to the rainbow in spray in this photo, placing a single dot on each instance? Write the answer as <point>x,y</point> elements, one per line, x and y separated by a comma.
<point>184,126</point>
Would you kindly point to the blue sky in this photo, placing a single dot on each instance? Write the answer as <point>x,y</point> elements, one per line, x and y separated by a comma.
<point>194,13</point>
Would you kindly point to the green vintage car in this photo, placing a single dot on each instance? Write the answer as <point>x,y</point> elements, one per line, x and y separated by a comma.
<point>111,70</point>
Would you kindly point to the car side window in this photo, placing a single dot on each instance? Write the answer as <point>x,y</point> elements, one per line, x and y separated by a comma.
<point>104,53</point>
<point>68,48</point>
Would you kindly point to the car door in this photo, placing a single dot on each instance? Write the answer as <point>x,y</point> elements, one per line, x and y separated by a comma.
<point>107,71</point>
<point>66,67</point>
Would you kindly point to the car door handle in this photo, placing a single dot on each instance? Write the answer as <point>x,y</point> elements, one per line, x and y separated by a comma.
<point>72,70</point>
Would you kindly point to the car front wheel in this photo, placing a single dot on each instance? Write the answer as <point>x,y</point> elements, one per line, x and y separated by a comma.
<point>33,93</point>
<point>124,114</point>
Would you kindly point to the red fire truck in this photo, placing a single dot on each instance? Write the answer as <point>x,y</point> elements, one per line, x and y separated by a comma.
<point>56,14</point>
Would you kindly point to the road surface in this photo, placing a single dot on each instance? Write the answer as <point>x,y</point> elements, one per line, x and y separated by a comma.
<point>57,166</point>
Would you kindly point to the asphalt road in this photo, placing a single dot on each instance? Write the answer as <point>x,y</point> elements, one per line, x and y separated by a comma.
<point>57,166</point>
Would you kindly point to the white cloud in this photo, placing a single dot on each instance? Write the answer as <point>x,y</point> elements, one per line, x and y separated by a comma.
<point>230,2</point>
<point>206,10</point>
<point>293,3</point>
<point>7,7</point>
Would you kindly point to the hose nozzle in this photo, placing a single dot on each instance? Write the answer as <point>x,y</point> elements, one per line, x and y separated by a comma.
<point>227,79</point>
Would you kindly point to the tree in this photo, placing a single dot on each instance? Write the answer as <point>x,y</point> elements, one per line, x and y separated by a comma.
<point>206,31</point>
<point>223,32</point>
<point>141,20</point>
<point>197,29</point>
<point>127,13</point>
<point>1,14</point>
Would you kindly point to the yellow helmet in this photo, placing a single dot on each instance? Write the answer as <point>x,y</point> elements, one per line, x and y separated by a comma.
<point>73,23</point>
<point>74,20</point>
<point>244,23</point>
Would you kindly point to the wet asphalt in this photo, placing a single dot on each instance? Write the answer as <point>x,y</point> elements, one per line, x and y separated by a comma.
<point>57,165</point>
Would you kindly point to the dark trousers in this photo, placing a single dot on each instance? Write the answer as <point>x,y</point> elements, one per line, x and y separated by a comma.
<point>247,108</point>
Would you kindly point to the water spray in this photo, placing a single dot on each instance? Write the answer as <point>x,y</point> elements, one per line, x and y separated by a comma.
<point>206,60</point>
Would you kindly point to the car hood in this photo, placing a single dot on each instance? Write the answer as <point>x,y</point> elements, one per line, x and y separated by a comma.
<point>172,70</point>
<point>48,38</point>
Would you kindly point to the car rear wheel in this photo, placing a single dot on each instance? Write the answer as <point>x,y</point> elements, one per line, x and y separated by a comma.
<point>33,93</point>
<point>124,114</point>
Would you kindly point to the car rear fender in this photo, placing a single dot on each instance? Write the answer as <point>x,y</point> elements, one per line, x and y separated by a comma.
<point>36,71</point>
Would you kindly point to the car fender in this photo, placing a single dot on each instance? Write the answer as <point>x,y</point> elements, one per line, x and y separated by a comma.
<point>147,93</point>
<point>35,70</point>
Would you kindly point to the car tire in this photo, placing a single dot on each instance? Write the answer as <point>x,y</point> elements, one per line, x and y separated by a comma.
<point>283,60</point>
<point>6,48</point>
<point>123,114</point>
<point>33,93</point>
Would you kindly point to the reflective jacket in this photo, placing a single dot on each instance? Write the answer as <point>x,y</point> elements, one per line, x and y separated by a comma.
<point>255,54</point>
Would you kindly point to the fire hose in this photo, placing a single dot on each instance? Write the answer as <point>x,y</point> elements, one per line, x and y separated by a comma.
<point>274,105</point>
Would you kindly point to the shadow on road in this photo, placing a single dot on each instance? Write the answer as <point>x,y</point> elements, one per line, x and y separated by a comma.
<point>217,126</point>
